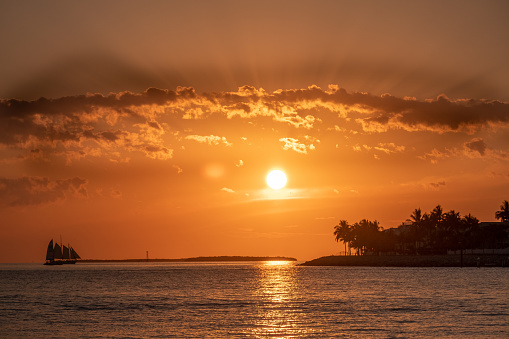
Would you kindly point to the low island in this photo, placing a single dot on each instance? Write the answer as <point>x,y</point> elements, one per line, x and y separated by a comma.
<point>195,259</point>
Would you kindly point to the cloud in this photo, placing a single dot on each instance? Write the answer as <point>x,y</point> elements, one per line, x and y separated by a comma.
<point>26,191</point>
<point>435,186</point>
<point>476,145</point>
<point>295,145</point>
<point>115,193</point>
<point>69,122</point>
<point>440,115</point>
<point>229,190</point>
<point>477,148</point>
<point>381,112</point>
<point>380,148</point>
<point>324,218</point>
<point>114,125</point>
<point>435,155</point>
<point>178,169</point>
<point>239,163</point>
<point>157,152</point>
<point>89,103</point>
<point>389,147</point>
<point>209,139</point>
<point>286,106</point>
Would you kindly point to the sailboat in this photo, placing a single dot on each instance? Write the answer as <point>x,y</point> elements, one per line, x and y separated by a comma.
<point>60,254</point>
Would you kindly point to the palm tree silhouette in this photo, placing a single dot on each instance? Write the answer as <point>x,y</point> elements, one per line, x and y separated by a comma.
<point>437,214</point>
<point>450,231</point>
<point>417,227</point>
<point>416,216</point>
<point>471,236</point>
<point>366,233</point>
<point>503,214</point>
<point>342,231</point>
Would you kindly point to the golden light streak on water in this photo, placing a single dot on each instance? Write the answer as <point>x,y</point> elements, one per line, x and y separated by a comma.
<point>276,286</point>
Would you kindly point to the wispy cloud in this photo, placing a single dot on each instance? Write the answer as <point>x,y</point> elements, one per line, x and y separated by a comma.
<point>36,190</point>
<point>209,139</point>
<point>435,186</point>
<point>380,148</point>
<point>294,145</point>
<point>435,155</point>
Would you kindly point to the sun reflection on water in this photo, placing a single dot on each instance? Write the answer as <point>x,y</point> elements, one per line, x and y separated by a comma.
<point>277,311</point>
<point>277,263</point>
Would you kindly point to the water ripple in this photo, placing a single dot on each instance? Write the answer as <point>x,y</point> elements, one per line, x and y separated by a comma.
<point>254,301</point>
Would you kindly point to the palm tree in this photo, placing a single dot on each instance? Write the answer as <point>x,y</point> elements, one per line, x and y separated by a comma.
<point>342,231</point>
<point>428,229</point>
<point>416,216</point>
<point>435,218</point>
<point>471,231</point>
<point>437,214</point>
<point>355,237</point>
<point>417,227</point>
<point>366,235</point>
<point>450,230</point>
<point>503,214</point>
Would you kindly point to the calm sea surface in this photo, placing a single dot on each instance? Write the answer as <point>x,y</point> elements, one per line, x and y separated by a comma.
<point>250,300</point>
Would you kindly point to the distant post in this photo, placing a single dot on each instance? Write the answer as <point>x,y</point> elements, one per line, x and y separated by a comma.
<point>461,257</point>
<point>147,256</point>
<point>461,254</point>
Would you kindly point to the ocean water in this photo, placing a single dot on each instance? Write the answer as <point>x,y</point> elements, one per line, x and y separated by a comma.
<point>251,300</point>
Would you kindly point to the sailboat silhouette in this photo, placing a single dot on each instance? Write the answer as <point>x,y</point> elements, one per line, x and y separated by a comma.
<point>60,254</point>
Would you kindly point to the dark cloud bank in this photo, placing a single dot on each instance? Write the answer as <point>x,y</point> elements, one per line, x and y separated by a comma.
<point>19,119</point>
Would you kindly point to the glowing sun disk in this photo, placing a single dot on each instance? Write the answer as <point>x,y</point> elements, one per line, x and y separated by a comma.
<point>276,179</point>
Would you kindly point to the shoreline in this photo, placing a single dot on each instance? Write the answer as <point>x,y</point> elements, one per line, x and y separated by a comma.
<point>454,260</point>
<point>195,259</point>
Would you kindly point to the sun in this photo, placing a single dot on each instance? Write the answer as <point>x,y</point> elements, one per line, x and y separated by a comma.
<point>276,179</point>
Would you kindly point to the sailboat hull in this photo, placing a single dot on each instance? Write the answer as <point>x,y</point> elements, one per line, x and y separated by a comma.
<point>60,262</point>
<point>66,262</point>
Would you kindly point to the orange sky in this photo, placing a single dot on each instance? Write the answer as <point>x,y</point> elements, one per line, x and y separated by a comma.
<point>372,109</point>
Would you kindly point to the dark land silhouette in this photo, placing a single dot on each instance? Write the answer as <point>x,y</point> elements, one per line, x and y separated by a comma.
<point>196,259</point>
<point>436,238</point>
<point>451,260</point>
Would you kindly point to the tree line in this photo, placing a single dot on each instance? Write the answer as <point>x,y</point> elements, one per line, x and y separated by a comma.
<point>425,233</point>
